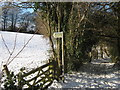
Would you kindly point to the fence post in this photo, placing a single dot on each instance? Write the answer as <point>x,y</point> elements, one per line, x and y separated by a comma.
<point>20,85</point>
<point>5,69</point>
<point>7,72</point>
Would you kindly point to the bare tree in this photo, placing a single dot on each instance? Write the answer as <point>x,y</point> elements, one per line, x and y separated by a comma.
<point>25,21</point>
<point>5,18</point>
<point>10,15</point>
<point>13,18</point>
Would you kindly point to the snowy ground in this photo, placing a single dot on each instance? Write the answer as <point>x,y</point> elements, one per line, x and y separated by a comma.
<point>32,56</point>
<point>35,54</point>
<point>91,76</point>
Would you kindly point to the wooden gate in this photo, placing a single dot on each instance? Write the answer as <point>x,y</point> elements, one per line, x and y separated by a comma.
<point>41,77</point>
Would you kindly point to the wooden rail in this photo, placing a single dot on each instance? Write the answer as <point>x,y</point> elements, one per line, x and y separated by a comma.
<point>42,76</point>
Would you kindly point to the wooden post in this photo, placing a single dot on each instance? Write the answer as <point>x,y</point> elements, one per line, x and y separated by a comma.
<point>60,35</point>
<point>20,83</point>
<point>5,69</point>
<point>63,69</point>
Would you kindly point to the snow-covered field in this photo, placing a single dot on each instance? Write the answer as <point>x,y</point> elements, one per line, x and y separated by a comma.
<point>32,56</point>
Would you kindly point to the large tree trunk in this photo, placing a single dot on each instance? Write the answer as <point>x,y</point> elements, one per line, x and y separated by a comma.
<point>117,63</point>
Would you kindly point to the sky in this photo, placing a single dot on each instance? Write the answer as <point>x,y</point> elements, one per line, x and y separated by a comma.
<point>28,10</point>
<point>25,10</point>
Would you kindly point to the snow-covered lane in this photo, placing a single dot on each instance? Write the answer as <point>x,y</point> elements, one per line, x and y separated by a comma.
<point>91,79</point>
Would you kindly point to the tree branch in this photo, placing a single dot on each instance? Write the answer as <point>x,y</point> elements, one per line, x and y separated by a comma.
<point>5,44</point>
<point>109,36</point>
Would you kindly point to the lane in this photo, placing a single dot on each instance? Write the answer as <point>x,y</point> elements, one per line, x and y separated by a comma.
<point>100,75</point>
